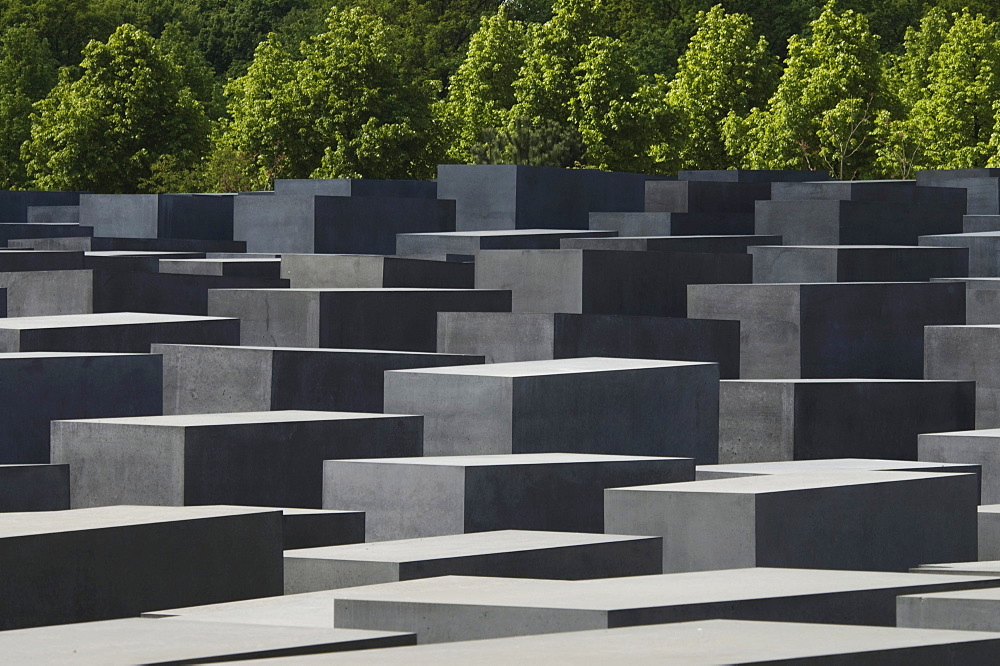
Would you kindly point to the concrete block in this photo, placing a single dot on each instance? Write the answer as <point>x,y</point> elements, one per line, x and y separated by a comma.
<point>396,319</point>
<point>250,458</point>
<point>831,330</point>
<point>856,263</point>
<point>317,528</point>
<point>708,642</point>
<point>113,332</point>
<point>973,224</point>
<point>770,420</point>
<point>11,232</point>
<point>704,244</point>
<point>460,608</point>
<point>738,470</point>
<point>587,405</point>
<point>34,488</point>
<point>982,186</point>
<point>886,521</point>
<point>311,609</point>
<point>138,641</point>
<point>673,224</point>
<point>967,353</point>
<point>181,216</point>
<point>503,337</point>
<point>53,215</point>
<point>982,299</point>
<point>605,281</point>
<point>405,498</point>
<point>718,197</point>
<point>202,379</point>
<point>978,447</point>
<point>307,271</point>
<point>984,249</point>
<point>969,610</point>
<point>251,268</point>
<point>116,562</point>
<point>356,187</point>
<point>490,197</point>
<point>87,244</point>
<point>167,293</point>
<point>17,261</point>
<point>974,568</point>
<point>509,553</point>
<point>132,261</point>
<point>36,388</point>
<point>846,222</point>
<point>14,204</point>
<point>751,175</point>
<point>857,190</point>
<point>471,242</point>
<point>320,224</point>
<point>989,532</point>
<point>42,293</point>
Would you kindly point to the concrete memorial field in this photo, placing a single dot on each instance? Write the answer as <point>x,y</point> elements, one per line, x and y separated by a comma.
<point>515,413</point>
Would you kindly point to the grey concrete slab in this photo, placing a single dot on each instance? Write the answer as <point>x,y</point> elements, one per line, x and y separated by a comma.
<point>132,261</point>
<point>42,293</point>
<point>709,642</point>
<point>14,204</point>
<point>856,263</point>
<point>84,244</point>
<point>769,420</point>
<point>325,224</point>
<point>53,215</point>
<point>704,244</point>
<point>311,609</point>
<point>845,222</point>
<point>317,528</point>
<point>605,281</point>
<point>116,562</point>
<point>34,488</point>
<point>249,458</point>
<point>406,498</point>
<point>459,608</point>
<point>979,447</point>
<point>692,196</point>
<point>989,532</point>
<point>737,470</point>
<point>472,242</point>
<point>201,379</point>
<point>967,353</point>
<point>356,187</point>
<point>751,175</point>
<point>490,197</point>
<point>982,299</point>
<point>972,224</point>
<point>673,224</point>
<point>139,641</point>
<point>834,329</point>
<point>10,232</point>
<point>259,268</point>
<point>113,332</point>
<point>14,261</point>
<point>849,190</point>
<point>373,271</point>
<point>167,293</point>
<point>982,186</point>
<point>864,520</point>
<point>38,387</point>
<point>503,337</point>
<point>168,216</point>
<point>388,319</point>
<point>508,553</point>
<point>970,610</point>
<point>585,405</point>
<point>974,568</point>
<point>984,250</point>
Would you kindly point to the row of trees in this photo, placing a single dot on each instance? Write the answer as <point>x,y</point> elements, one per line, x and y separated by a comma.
<point>564,83</point>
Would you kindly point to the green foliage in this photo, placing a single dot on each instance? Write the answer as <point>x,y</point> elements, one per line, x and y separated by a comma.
<point>822,114</point>
<point>105,131</point>
<point>726,70</point>
<point>532,143</point>
<point>27,73</point>
<point>348,107</point>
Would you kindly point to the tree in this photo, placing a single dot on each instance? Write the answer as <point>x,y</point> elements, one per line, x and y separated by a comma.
<point>105,131</point>
<point>27,73</point>
<point>481,93</point>
<point>726,69</point>
<point>824,109</point>
<point>348,107</point>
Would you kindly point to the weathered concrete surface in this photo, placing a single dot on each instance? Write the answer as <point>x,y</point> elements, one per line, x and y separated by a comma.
<point>307,271</point>
<point>34,488</point>
<point>856,263</point>
<point>968,353</point>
